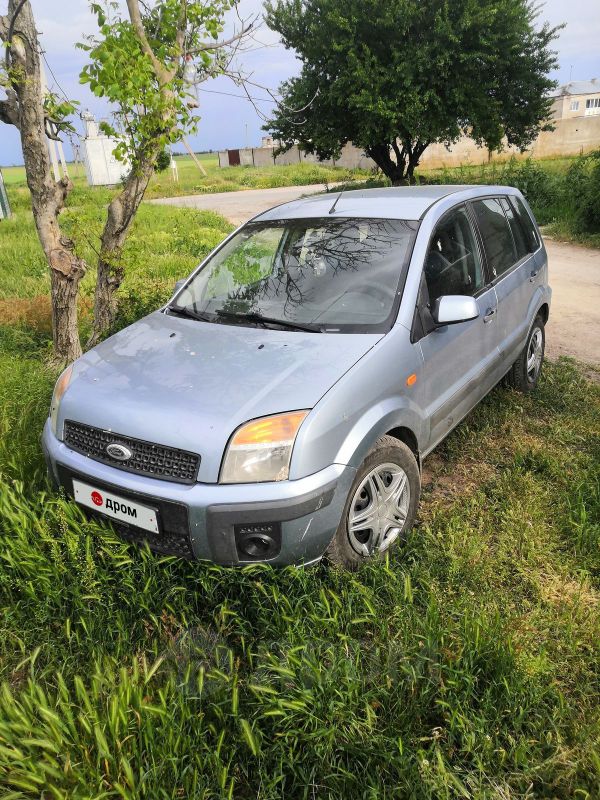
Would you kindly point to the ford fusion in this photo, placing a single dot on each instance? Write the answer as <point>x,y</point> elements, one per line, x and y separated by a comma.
<point>280,406</point>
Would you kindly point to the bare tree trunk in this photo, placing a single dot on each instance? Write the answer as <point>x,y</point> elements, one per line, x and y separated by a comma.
<point>121,213</point>
<point>24,108</point>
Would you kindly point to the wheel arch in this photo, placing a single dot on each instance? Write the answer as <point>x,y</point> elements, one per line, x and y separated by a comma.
<point>409,438</point>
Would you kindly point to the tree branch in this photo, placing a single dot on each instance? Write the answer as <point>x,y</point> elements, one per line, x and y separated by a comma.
<point>218,45</point>
<point>181,26</point>
<point>400,157</point>
<point>138,25</point>
<point>9,109</point>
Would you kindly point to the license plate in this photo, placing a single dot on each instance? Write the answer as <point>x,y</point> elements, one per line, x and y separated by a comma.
<point>115,507</point>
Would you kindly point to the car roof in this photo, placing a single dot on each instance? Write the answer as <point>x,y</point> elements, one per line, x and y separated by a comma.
<point>401,202</point>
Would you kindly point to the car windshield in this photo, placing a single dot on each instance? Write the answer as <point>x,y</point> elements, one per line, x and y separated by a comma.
<point>308,274</point>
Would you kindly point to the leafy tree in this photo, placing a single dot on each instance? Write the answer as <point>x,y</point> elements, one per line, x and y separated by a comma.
<point>140,64</point>
<point>137,62</point>
<point>394,76</point>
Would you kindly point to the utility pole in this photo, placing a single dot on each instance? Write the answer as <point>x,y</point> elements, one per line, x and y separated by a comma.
<point>54,146</point>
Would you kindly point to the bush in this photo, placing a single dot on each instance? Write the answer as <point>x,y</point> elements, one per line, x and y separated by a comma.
<point>540,187</point>
<point>582,189</point>
<point>140,297</point>
<point>163,161</point>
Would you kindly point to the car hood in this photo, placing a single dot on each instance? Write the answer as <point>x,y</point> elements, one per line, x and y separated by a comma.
<point>189,384</point>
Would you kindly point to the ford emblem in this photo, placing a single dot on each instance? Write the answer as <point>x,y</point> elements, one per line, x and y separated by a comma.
<point>118,451</point>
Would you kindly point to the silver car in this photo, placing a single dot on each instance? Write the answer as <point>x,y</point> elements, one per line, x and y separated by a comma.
<point>280,406</point>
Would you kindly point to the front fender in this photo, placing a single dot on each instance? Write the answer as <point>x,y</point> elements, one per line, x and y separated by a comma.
<point>394,412</point>
<point>370,400</point>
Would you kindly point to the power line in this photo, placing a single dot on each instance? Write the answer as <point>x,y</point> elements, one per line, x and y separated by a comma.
<point>242,96</point>
<point>209,91</point>
<point>59,87</point>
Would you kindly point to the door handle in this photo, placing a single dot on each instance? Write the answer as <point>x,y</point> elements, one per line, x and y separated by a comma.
<point>533,275</point>
<point>489,315</point>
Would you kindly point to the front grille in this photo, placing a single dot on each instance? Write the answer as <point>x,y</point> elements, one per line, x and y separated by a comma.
<point>154,460</point>
<point>174,536</point>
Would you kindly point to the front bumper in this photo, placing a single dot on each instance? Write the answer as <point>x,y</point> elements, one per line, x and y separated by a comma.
<point>201,521</point>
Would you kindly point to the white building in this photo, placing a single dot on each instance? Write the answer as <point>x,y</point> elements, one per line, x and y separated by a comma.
<point>101,167</point>
<point>577,99</point>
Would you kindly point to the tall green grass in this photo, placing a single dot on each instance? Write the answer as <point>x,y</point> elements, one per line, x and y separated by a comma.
<point>466,666</point>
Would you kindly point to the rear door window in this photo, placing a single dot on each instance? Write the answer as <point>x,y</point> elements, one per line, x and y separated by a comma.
<point>496,235</point>
<point>530,232</point>
<point>516,229</point>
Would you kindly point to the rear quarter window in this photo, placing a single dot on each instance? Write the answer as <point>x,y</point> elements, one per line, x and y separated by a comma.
<point>532,238</point>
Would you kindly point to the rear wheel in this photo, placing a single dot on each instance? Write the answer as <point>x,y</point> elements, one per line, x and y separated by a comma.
<point>525,372</point>
<point>381,505</point>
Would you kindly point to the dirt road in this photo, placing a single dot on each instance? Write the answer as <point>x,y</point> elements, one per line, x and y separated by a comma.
<point>238,207</point>
<point>574,326</point>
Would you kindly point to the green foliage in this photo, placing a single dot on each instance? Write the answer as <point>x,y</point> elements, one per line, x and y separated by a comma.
<point>163,161</point>
<point>419,72</point>
<point>564,195</point>
<point>149,89</point>
<point>542,187</point>
<point>583,192</point>
<point>58,110</point>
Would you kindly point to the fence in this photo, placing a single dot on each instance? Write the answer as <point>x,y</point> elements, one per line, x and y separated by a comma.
<point>570,137</point>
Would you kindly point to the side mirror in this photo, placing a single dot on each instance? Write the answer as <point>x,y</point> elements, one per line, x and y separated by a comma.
<point>181,282</point>
<point>454,308</point>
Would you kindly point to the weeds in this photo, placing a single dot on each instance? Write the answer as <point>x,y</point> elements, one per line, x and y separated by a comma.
<point>563,195</point>
<point>465,666</point>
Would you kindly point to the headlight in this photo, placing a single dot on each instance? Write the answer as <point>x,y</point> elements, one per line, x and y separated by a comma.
<point>261,450</point>
<point>59,390</point>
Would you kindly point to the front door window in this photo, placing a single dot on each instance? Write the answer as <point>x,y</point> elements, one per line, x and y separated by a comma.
<point>453,264</point>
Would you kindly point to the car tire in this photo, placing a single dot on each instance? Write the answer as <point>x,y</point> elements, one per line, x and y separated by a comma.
<point>386,489</point>
<point>525,372</point>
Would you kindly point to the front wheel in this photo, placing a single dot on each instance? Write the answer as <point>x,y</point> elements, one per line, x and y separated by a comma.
<point>525,372</point>
<point>381,505</point>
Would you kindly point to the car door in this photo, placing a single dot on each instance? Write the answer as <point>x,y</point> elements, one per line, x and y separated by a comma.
<point>509,249</point>
<point>458,360</point>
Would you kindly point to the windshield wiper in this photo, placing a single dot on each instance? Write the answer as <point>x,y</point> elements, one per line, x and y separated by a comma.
<point>253,316</point>
<point>182,311</point>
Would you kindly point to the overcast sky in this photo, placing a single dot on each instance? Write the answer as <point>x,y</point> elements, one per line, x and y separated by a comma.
<point>232,121</point>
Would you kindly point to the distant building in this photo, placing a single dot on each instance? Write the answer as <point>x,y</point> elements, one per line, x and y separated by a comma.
<point>269,141</point>
<point>577,99</point>
<point>101,167</point>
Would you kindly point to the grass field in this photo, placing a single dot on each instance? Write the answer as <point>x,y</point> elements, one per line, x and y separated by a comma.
<point>465,667</point>
<point>191,180</point>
